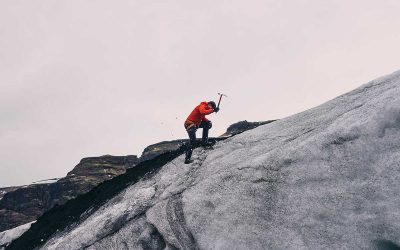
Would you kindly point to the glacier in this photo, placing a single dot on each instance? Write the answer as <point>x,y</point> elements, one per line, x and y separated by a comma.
<point>326,178</point>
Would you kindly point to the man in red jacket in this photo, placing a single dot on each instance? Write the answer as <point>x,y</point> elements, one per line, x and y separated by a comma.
<point>196,120</point>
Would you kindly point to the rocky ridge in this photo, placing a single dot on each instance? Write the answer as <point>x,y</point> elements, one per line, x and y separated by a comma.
<point>242,126</point>
<point>21,205</point>
<point>5,190</point>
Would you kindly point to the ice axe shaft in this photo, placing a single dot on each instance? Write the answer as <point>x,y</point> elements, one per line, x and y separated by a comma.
<point>220,98</point>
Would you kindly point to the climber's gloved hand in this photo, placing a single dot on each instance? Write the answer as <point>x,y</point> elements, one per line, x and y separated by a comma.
<point>216,109</point>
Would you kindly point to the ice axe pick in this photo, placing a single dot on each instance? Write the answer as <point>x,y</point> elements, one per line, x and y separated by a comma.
<point>220,98</point>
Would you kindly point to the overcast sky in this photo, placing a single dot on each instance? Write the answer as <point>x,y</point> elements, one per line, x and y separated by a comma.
<point>88,78</point>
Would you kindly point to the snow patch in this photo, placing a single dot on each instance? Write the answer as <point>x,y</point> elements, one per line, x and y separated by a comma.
<point>9,235</point>
<point>48,181</point>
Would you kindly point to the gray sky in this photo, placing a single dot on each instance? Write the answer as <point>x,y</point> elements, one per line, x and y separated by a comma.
<point>88,78</point>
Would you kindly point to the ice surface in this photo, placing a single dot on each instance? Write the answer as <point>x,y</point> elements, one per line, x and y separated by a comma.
<point>326,178</point>
<point>9,235</point>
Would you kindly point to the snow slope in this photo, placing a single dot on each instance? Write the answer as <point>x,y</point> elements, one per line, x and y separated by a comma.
<point>9,235</point>
<point>326,178</point>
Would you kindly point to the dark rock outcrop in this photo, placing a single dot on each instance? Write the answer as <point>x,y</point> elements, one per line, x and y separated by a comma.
<point>157,149</point>
<point>5,190</point>
<point>21,205</point>
<point>242,126</point>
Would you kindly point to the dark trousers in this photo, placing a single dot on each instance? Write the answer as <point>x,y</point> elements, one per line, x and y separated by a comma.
<point>191,130</point>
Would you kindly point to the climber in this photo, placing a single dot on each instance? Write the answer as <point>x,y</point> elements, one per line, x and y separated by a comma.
<point>196,120</point>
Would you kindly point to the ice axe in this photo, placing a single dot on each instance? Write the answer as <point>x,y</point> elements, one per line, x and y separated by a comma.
<point>220,98</point>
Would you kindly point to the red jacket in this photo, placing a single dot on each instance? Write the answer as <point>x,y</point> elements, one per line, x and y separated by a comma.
<point>199,113</point>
